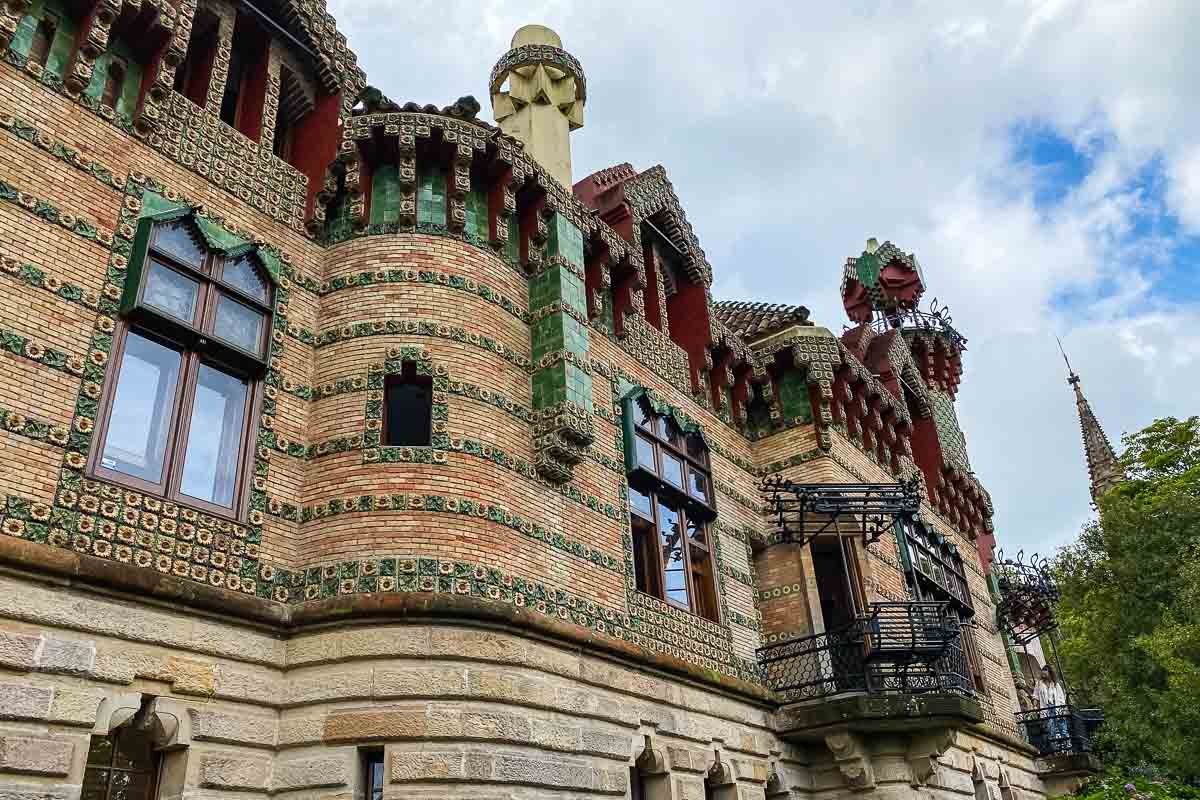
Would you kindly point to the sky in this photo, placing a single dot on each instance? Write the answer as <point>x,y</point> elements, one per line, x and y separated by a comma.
<point>1040,157</point>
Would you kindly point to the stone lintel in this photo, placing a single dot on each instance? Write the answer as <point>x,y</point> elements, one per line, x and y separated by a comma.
<point>878,714</point>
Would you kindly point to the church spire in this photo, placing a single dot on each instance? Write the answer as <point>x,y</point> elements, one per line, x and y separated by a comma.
<point>1103,469</point>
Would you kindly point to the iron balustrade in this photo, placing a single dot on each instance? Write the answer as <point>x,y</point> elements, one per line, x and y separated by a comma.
<point>1060,730</point>
<point>894,648</point>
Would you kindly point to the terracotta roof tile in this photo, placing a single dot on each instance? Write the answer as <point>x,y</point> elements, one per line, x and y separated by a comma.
<point>751,320</point>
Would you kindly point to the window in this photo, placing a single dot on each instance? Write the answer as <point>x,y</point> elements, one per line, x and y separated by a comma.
<point>121,766</point>
<point>192,76</point>
<point>408,408</point>
<point>178,407</point>
<point>373,778</point>
<point>937,571</point>
<point>296,102</point>
<point>670,498</point>
<point>231,99</point>
<point>662,450</point>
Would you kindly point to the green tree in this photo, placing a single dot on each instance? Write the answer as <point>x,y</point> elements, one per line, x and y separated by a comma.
<point>1130,609</point>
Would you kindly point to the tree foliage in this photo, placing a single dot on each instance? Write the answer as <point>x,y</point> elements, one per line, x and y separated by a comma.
<point>1130,609</point>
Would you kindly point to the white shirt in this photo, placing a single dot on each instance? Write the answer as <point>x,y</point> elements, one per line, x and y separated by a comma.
<point>1049,694</point>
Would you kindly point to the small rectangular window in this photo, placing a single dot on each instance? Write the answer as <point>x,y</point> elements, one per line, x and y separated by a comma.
<point>408,409</point>
<point>373,777</point>
<point>43,38</point>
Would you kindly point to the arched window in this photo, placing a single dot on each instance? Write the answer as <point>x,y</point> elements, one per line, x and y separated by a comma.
<point>121,766</point>
<point>670,499</point>
<point>177,410</point>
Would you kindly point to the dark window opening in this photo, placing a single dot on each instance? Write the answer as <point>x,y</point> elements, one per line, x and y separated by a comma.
<point>193,75</point>
<point>43,39</point>
<point>231,100</point>
<point>838,585</point>
<point>114,82</point>
<point>408,409</point>
<point>637,785</point>
<point>122,765</point>
<point>373,777</point>
<point>296,101</point>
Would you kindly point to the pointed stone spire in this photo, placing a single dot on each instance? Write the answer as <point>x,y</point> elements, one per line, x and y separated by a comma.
<point>1103,469</point>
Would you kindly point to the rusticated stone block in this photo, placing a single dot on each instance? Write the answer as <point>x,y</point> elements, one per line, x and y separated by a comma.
<point>483,645</point>
<point>494,725</point>
<point>554,735</point>
<point>216,726</point>
<point>232,771</point>
<point>18,701</point>
<point>313,772</point>
<point>16,791</point>
<point>18,651</point>
<point>688,787</point>
<point>301,730</point>
<point>35,756</point>
<point>191,677</point>
<point>605,744</point>
<point>544,771</point>
<point>321,686</point>
<point>495,685</point>
<point>423,766</point>
<point>74,708</point>
<point>67,656</point>
<point>745,769</point>
<point>684,759</point>
<point>431,681</point>
<point>376,723</point>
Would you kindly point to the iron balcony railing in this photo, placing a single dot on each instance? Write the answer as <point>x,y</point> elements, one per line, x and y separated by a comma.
<point>895,648</point>
<point>1061,730</point>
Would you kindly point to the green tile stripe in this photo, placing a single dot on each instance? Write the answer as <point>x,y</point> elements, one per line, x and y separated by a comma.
<point>794,461</point>
<point>34,351</point>
<point>37,277</point>
<point>26,132</point>
<point>408,327</point>
<point>386,276</point>
<point>739,576</point>
<point>414,573</point>
<point>396,503</point>
<point>48,212</point>
<point>750,623</point>
<point>34,428</point>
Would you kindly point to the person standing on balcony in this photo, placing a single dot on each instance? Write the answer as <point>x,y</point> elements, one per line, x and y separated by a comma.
<point>1051,699</point>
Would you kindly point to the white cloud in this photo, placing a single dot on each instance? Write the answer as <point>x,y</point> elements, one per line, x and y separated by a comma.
<point>792,137</point>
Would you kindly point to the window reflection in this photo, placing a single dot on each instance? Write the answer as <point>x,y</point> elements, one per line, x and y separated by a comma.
<point>674,566</point>
<point>136,441</point>
<point>214,439</point>
<point>171,292</point>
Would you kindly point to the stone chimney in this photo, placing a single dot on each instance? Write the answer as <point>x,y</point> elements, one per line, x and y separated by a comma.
<point>538,92</point>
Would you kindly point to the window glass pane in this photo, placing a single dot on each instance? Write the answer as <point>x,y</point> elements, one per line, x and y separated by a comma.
<point>696,533</point>
<point>642,416</point>
<point>698,485</point>
<point>210,465</point>
<point>696,448</point>
<point>672,469</point>
<point>171,292</point>
<point>704,603</point>
<point>640,503</point>
<point>674,566</point>
<point>239,324</point>
<point>133,750</point>
<point>644,566</point>
<point>142,409</point>
<point>177,240</point>
<point>375,776</point>
<point>674,435</point>
<point>244,274</point>
<point>95,784</point>
<point>100,752</point>
<point>645,454</point>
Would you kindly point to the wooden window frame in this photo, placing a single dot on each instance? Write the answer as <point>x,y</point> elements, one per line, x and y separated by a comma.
<point>197,345</point>
<point>369,757</point>
<point>657,437</point>
<point>648,556</point>
<point>925,580</point>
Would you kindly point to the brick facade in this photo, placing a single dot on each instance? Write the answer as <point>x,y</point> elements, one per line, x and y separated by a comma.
<point>470,606</point>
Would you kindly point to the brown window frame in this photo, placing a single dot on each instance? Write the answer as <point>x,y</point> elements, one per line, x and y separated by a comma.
<point>667,440</point>
<point>197,345</point>
<point>370,757</point>
<point>658,437</point>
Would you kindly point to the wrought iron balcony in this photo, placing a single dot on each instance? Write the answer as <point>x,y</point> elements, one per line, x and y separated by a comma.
<point>895,648</point>
<point>1061,730</point>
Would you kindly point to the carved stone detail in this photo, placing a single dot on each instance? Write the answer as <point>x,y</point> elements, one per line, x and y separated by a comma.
<point>853,759</point>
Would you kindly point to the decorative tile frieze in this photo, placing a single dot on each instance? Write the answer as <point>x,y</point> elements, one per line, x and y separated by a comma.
<point>27,132</point>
